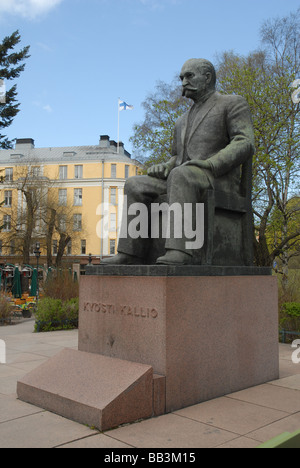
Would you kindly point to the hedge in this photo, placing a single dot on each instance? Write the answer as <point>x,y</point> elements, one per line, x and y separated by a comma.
<point>54,314</point>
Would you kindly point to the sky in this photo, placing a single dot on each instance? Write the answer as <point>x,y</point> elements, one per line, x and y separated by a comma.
<point>86,54</point>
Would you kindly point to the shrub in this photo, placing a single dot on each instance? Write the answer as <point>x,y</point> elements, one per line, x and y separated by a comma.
<point>54,314</point>
<point>290,316</point>
<point>61,286</point>
<point>291,293</point>
<point>5,309</point>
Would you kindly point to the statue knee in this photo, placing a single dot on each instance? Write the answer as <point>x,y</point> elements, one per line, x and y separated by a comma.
<point>178,175</point>
<point>131,185</point>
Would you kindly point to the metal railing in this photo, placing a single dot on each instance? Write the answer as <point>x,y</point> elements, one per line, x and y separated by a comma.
<point>283,334</point>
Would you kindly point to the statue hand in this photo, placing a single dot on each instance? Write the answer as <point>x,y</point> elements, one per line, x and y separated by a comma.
<point>160,171</point>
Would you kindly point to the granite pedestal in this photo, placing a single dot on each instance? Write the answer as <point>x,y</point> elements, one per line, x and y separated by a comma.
<point>188,334</point>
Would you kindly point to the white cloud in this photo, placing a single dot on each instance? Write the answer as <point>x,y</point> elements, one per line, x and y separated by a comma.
<point>44,46</point>
<point>27,8</point>
<point>40,105</point>
<point>48,108</point>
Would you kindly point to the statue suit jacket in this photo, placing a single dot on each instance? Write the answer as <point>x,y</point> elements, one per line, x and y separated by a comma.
<point>222,133</point>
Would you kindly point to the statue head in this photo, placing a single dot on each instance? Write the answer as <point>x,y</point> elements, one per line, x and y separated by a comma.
<point>198,77</point>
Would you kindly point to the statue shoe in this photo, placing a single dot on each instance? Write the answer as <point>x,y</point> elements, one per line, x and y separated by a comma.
<point>175,257</point>
<point>122,259</point>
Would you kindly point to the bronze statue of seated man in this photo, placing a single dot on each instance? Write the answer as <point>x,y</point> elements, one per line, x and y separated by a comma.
<point>211,142</point>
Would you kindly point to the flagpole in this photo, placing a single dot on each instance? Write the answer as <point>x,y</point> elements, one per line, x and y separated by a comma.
<point>118,143</point>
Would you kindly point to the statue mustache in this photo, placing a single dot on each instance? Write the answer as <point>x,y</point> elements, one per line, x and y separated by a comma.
<point>187,88</point>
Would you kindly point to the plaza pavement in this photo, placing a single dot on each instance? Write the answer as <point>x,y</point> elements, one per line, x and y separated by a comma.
<point>240,420</point>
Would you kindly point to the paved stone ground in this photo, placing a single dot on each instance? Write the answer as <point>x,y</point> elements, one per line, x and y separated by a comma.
<point>241,420</point>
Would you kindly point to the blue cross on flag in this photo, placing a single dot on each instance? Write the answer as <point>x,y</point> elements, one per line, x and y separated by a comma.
<point>124,106</point>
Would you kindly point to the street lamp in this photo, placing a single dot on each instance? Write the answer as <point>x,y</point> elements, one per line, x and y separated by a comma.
<point>37,253</point>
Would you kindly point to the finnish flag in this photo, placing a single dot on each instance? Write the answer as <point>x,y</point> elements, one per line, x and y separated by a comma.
<point>124,106</point>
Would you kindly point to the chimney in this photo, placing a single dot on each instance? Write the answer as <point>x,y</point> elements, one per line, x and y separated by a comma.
<point>113,145</point>
<point>104,141</point>
<point>121,147</point>
<point>25,142</point>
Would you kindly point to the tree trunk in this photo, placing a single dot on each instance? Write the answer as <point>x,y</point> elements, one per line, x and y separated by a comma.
<point>50,231</point>
<point>63,242</point>
<point>262,255</point>
<point>29,228</point>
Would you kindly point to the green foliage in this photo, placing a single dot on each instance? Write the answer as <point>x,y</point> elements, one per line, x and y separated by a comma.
<point>289,304</point>
<point>290,316</point>
<point>53,314</point>
<point>291,293</point>
<point>292,309</point>
<point>11,67</point>
<point>264,78</point>
<point>60,307</point>
<point>285,223</point>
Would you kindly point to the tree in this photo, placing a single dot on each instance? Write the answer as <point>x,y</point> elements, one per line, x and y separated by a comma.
<point>154,136</point>
<point>37,215</point>
<point>11,67</point>
<point>264,78</point>
<point>280,230</point>
<point>25,217</point>
<point>59,226</point>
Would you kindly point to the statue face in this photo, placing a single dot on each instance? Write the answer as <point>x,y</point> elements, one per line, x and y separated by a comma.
<point>195,81</point>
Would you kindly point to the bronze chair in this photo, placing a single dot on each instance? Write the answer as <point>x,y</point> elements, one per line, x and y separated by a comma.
<point>229,225</point>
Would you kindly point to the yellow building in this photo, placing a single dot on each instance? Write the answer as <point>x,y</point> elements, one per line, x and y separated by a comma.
<point>72,194</point>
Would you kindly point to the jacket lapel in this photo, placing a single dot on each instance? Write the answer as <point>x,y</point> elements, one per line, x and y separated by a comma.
<point>202,113</point>
<point>184,126</point>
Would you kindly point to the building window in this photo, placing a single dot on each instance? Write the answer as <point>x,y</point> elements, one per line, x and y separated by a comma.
<point>9,174</point>
<point>62,223</point>
<point>8,198</point>
<point>113,222</point>
<point>113,196</point>
<point>77,222</point>
<point>62,197</point>
<point>113,171</point>
<point>54,247</point>
<point>78,197</point>
<point>12,247</point>
<point>6,223</point>
<point>83,247</point>
<point>78,172</point>
<point>36,171</point>
<point>69,248</point>
<point>126,172</point>
<point>112,246</point>
<point>63,172</point>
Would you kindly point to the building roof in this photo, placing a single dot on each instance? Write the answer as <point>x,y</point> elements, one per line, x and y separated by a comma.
<point>25,151</point>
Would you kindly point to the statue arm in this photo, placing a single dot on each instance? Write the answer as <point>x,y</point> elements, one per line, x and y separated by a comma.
<point>241,135</point>
<point>241,144</point>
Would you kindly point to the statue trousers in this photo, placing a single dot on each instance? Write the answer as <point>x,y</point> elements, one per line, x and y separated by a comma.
<point>184,185</point>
